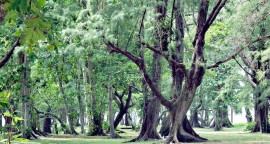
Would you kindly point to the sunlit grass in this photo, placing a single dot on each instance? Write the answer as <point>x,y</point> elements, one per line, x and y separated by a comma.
<point>235,135</point>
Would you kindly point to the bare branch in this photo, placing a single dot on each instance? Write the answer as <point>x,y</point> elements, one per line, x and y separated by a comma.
<point>211,18</point>
<point>141,26</point>
<point>246,61</point>
<point>9,54</point>
<point>243,68</point>
<point>240,50</point>
<point>137,89</point>
<point>113,48</point>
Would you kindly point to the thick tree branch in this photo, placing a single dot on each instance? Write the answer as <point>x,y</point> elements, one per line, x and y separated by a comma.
<point>117,101</point>
<point>128,100</point>
<point>211,18</point>
<point>130,56</point>
<point>201,20</point>
<point>139,62</point>
<point>9,54</point>
<point>240,50</point>
<point>179,65</point>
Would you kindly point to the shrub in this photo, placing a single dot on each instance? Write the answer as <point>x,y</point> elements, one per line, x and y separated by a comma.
<point>105,125</point>
<point>250,126</point>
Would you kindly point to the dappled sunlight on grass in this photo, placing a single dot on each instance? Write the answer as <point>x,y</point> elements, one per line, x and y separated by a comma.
<point>235,135</point>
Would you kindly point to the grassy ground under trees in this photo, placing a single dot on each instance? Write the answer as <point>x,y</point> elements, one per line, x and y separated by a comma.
<point>233,135</point>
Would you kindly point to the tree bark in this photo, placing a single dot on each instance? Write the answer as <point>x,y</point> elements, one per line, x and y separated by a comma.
<point>80,100</point>
<point>123,107</point>
<point>248,115</point>
<point>87,97</point>
<point>10,53</point>
<point>96,128</point>
<point>193,76</point>
<point>91,83</point>
<point>47,125</point>
<point>152,106</point>
<point>25,92</point>
<point>111,113</point>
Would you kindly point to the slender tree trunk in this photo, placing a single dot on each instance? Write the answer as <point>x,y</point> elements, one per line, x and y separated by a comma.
<point>151,106</point>
<point>194,121</point>
<point>1,125</point>
<point>123,107</point>
<point>111,113</point>
<point>119,117</point>
<point>80,100</point>
<point>248,115</point>
<point>65,100</point>
<point>90,77</point>
<point>87,97</point>
<point>55,126</point>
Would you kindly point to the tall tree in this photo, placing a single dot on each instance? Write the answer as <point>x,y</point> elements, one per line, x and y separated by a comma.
<point>179,106</point>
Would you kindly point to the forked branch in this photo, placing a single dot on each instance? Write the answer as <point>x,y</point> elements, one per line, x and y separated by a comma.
<point>139,62</point>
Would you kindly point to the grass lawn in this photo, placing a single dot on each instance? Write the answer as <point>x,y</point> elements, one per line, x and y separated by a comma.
<point>234,135</point>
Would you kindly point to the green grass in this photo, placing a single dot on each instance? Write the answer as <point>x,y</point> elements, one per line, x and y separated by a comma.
<point>234,135</point>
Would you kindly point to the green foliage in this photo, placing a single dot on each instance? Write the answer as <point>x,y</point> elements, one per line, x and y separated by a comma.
<point>4,99</point>
<point>250,126</point>
<point>106,125</point>
<point>138,127</point>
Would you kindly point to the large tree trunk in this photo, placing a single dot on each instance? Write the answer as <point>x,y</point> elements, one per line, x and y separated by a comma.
<point>194,118</point>
<point>47,125</point>
<point>151,106</point>
<point>25,92</point>
<point>96,128</point>
<point>221,116</point>
<point>178,107</point>
<point>225,118</point>
<point>180,129</point>
<point>264,125</point>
